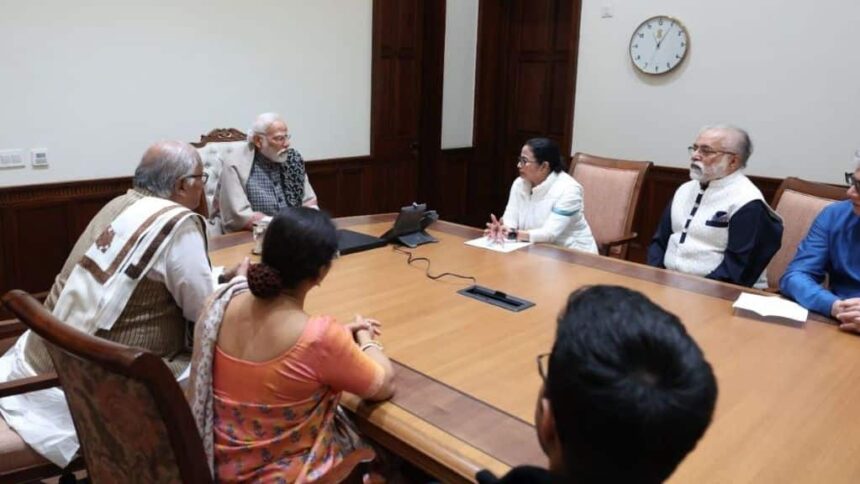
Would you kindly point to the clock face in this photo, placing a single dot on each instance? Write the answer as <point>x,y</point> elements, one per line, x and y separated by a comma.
<point>659,45</point>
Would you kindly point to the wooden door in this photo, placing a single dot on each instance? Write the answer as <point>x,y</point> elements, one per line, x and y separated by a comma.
<point>408,41</point>
<point>525,88</point>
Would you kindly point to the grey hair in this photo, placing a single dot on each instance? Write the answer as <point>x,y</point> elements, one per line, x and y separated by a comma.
<point>163,165</point>
<point>261,125</point>
<point>738,140</point>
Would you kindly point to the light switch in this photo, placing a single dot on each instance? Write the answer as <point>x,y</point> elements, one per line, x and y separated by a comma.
<point>39,157</point>
<point>11,158</point>
<point>607,11</point>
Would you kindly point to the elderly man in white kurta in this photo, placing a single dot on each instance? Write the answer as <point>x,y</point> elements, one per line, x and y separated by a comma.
<point>136,275</point>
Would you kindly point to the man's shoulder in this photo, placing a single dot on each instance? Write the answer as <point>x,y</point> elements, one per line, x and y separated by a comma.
<point>837,213</point>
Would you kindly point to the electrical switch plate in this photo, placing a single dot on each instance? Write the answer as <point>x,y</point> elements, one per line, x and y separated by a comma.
<point>607,11</point>
<point>39,157</point>
<point>11,158</point>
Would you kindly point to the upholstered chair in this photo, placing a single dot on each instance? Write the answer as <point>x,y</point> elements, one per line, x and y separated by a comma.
<point>216,147</point>
<point>798,202</point>
<point>611,194</point>
<point>132,420</point>
<point>19,462</point>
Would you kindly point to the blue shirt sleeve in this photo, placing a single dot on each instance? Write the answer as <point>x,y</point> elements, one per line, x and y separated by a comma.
<point>803,276</point>
<point>755,234</point>
<point>657,248</point>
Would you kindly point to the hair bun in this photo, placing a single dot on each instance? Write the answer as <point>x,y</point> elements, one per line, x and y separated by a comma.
<point>264,281</point>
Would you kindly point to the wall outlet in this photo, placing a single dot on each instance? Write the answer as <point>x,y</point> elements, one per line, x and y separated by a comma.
<point>11,158</point>
<point>39,157</point>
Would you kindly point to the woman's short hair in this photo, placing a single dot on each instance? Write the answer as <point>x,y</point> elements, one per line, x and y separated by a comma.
<point>547,150</point>
<point>298,244</point>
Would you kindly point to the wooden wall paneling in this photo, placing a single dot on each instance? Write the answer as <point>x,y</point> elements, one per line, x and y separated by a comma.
<point>453,202</point>
<point>324,179</point>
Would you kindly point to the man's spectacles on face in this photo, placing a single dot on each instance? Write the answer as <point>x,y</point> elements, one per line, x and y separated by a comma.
<point>707,151</point>
<point>281,138</point>
<point>543,365</point>
<point>852,182</point>
<point>203,176</point>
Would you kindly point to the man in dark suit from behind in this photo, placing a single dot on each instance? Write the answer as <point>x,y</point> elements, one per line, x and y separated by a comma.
<point>626,395</point>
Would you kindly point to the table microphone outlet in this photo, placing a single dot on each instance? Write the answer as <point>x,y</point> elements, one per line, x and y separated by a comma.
<point>496,298</point>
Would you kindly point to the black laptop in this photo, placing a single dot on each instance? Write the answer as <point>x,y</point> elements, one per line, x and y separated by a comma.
<point>349,242</point>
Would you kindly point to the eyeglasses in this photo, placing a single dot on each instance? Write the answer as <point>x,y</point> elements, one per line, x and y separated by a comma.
<point>203,176</point>
<point>282,138</point>
<point>543,365</point>
<point>852,182</point>
<point>707,150</point>
<point>523,161</point>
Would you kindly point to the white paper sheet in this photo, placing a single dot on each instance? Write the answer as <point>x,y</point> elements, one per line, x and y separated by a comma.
<point>506,246</point>
<point>771,306</point>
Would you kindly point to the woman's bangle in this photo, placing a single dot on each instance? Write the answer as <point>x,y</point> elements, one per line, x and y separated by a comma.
<point>372,343</point>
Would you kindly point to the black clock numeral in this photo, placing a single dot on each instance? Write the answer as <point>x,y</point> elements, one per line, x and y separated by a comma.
<point>683,44</point>
<point>680,33</point>
<point>638,57</point>
<point>646,64</point>
<point>641,36</point>
<point>649,26</point>
<point>668,65</point>
<point>635,46</point>
<point>677,56</point>
<point>656,68</point>
<point>660,22</point>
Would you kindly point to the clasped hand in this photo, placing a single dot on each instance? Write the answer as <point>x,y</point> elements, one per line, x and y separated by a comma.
<point>847,311</point>
<point>364,329</point>
<point>496,230</point>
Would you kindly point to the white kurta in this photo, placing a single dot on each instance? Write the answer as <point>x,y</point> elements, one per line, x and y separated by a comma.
<point>552,212</point>
<point>42,418</point>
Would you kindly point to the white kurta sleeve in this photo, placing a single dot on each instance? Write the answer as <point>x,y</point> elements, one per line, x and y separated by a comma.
<point>566,210</point>
<point>184,269</point>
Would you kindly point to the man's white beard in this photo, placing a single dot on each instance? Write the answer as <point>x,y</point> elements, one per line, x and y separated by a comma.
<point>276,156</point>
<point>703,174</point>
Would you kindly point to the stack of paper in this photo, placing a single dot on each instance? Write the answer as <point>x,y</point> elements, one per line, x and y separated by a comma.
<point>506,246</point>
<point>771,306</point>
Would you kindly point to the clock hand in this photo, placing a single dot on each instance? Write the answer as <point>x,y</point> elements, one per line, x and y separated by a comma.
<point>665,35</point>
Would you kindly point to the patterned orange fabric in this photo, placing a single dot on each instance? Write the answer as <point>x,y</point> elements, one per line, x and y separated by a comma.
<point>278,420</point>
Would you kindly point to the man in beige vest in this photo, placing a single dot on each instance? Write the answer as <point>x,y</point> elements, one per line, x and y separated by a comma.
<point>137,275</point>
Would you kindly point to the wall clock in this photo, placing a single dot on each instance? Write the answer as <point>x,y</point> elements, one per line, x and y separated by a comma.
<point>659,45</point>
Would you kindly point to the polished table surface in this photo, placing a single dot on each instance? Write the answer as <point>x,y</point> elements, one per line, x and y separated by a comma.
<point>467,379</point>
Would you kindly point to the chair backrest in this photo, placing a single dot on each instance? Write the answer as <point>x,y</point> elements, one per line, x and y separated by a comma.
<point>216,147</point>
<point>798,202</point>
<point>132,420</point>
<point>611,194</point>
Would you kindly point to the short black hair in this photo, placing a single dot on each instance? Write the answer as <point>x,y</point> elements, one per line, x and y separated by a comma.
<point>547,150</point>
<point>299,242</point>
<point>630,390</point>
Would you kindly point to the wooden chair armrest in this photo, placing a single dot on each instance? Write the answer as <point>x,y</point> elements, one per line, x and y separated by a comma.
<point>772,290</point>
<point>604,248</point>
<point>26,385</point>
<point>11,328</point>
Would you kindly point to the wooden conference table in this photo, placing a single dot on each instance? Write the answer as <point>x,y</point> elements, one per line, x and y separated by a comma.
<point>789,397</point>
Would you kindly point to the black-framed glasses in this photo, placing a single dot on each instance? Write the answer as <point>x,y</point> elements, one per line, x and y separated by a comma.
<point>282,138</point>
<point>707,150</point>
<point>852,182</point>
<point>543,365</point>
<point>203,176</point>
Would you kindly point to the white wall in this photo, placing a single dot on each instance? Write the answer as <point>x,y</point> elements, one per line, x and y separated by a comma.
<point>96,82</point>
<point>787,71</point>
<point>458,87</point>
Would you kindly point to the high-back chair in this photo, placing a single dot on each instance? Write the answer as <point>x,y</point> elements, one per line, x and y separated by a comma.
<point>132,420</point>
<point>798,202</point>
<point>19,462</point>
<point>216,147</point>
<point>611,194</point>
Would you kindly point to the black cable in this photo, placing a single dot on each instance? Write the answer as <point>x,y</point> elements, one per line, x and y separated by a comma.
<point>412,259</point>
